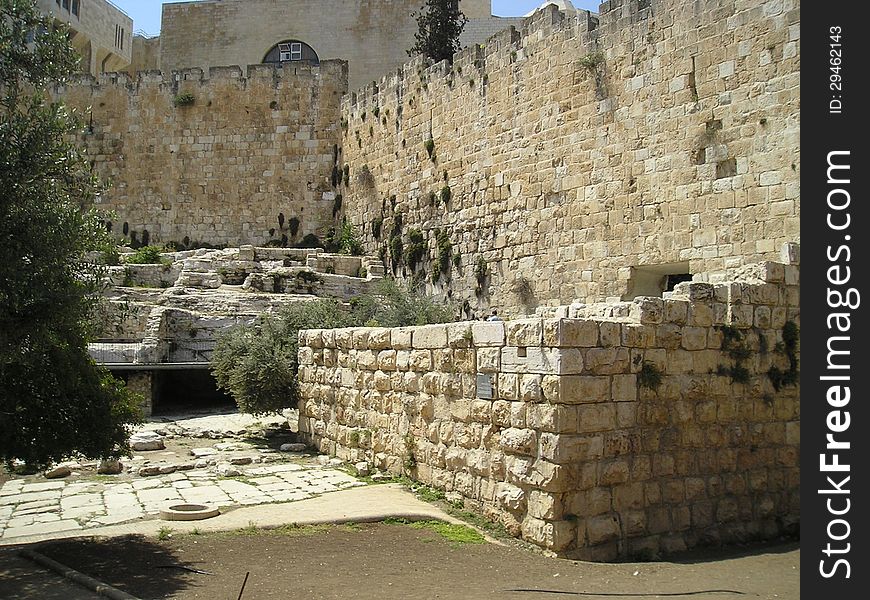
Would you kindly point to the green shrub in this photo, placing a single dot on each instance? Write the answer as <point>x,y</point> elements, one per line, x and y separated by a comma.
<point>446,194</point>
<point>348,242</point>
<point>257,364</point>
<point>650,376</point>
<point>377,223</point>
<point>184,99</point>
<point>310,241</point>
<point>415,250</point>
<point>146,255</point>
<point>445,251</point>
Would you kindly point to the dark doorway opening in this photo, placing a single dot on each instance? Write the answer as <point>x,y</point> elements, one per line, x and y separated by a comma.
<point>189,391</point>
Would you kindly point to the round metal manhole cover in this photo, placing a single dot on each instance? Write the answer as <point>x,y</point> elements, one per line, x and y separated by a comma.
<point>188,512</point>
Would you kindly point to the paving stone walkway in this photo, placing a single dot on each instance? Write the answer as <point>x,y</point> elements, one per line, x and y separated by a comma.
<point>51,506</point>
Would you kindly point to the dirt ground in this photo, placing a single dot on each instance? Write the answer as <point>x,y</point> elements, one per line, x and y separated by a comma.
<point>398,561</point>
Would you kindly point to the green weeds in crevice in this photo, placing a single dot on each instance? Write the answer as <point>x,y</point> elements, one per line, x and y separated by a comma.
<point>735,346</point>
<point>650,376</point>
<point>788,347</point>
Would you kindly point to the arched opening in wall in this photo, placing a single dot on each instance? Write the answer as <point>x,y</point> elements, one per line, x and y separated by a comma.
<point>188,391</point>
<point>655,280</point>
<point>292,51</point>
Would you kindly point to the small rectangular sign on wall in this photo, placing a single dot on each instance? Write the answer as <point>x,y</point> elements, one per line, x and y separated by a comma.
<point>484,386</point>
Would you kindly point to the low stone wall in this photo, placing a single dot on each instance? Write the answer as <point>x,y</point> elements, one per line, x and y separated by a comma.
<point>635,429</point>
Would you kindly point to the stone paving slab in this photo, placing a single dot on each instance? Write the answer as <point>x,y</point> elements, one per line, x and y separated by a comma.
<point>32,509</point>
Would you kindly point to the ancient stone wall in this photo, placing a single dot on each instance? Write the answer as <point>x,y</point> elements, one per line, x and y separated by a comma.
<point>372,35</point>
<point>620,429</point>
<point>146,54</point>
<point>585,156</point>
<point>231,158</point>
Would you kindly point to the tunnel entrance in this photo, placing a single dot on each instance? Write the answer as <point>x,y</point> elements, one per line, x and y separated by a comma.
<point>188,391</point>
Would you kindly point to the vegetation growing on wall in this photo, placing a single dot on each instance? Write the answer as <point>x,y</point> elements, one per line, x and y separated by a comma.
<point>415,251</point>
<point>481,275</point>
<point>735,346</point>
<point>184,99</point>
<point>445,251</point>
<point>788,348</point>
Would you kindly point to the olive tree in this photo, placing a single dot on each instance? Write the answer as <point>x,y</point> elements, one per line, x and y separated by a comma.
<point>54,401</point>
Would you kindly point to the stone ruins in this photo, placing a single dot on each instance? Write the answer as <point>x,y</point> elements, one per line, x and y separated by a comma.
<point>622,186</point>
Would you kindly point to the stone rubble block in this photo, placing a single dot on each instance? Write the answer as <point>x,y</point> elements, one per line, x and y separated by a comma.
<point>143,441</point>
<point>552,535</point>
<point>57,472</point>
<point>518,441</point>
<point>647,310</point>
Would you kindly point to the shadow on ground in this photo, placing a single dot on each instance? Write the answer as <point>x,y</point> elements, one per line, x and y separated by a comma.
<point>134,564</point>
<point>395,561</point>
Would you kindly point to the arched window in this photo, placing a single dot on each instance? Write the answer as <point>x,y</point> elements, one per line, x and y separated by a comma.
<point>291,51</point>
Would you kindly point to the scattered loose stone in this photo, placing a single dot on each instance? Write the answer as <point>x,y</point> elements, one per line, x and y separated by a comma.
<point>293,447</point>
<point>227,470</point>
<point>110,466</point>
<point>240,460</point>
<point>362,468</point>
<point>58,472</point>
<point>146,440</point>
<point>149,470</point>
<point>203,452</point>
<point>166,469</point>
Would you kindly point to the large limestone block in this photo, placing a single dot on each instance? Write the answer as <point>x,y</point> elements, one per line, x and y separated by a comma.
<point>568,449</point>
<point>430,336</point>
<point>488,333</point>
<point>571,333</point>
<point>541,360</point>
<point>524,332</point>
<point>400,338</point>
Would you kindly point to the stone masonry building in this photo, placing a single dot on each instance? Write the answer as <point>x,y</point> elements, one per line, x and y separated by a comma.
<point>372,35</point>
<point>101,32</point>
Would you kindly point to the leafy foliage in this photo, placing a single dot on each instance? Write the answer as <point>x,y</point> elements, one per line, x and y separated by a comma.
<point>415,251</point>
<point>258,364</point>
<point>439,25</point>
<point>184,99</point>
<point>54,401</point>
<point>146,255</point>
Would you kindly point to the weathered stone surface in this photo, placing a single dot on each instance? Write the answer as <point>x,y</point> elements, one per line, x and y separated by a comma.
<point>518,441</point>
<point>490,333</point>
<point>145,441</point>
<point>57,472</point>
<point>110,466</point>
